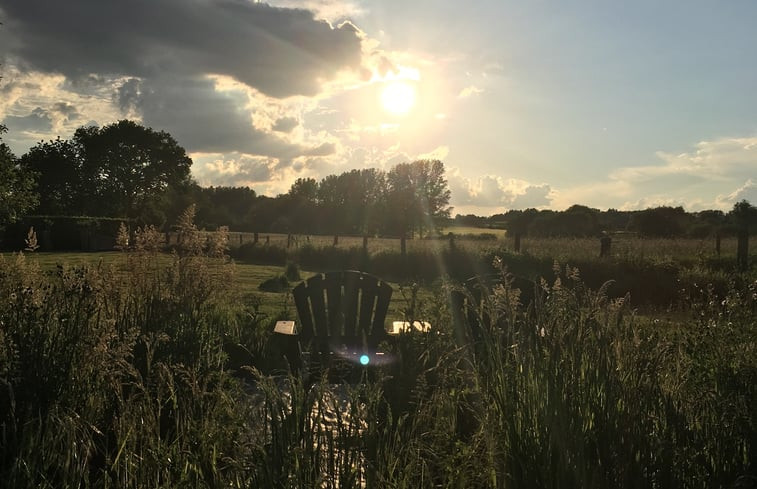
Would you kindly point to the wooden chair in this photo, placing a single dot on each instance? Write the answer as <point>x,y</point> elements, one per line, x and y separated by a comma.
<point>469,303</point>
<point>341,323</point>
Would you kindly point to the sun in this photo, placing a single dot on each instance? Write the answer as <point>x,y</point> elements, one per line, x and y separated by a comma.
<point>398,98</point>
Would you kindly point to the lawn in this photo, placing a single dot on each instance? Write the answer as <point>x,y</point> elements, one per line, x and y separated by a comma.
<point>247,279</point>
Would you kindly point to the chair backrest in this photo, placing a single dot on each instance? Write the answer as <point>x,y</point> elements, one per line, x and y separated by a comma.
<point>342,309</point>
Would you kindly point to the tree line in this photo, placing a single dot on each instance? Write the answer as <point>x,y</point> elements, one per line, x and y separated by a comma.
<point>125,170</point>
<point>583,221</point>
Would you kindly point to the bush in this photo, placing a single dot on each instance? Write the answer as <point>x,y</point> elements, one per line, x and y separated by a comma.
<point>292,272</point>
<point>64,233</point>
<point>275,284</point>
<point>260,254</point>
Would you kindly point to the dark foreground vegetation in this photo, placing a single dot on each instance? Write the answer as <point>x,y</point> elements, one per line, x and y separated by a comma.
<point>154,373</point>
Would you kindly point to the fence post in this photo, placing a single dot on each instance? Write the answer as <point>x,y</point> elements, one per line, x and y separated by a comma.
<point>742,250</point>
<point>605,242</point>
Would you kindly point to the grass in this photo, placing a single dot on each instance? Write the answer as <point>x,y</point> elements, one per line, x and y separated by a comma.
<point>246,278</point>
<point>121,371</point>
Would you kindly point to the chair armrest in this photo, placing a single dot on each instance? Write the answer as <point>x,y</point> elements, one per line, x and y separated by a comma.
<point>286,328</point>
<point>287,340</point>
<point>405,327</point>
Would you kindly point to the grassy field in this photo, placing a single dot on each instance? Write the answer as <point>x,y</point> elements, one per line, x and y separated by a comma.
<point>247,279</point>
<point>124,370</point>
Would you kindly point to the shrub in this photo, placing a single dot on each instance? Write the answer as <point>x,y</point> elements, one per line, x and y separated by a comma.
<point>275,284</point>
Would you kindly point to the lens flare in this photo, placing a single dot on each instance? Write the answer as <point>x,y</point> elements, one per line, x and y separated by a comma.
<point>398,98</point>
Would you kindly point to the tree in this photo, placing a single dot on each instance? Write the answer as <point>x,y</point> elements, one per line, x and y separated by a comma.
<point>662,222</point>
<point>224,206</point>
<point>418,196</point>
<point>743,215</point>
<point>119,170</point>
<point>131,167</point>
<point>17,195</point>
<point>350,202</point>
<point>57,166</point>
<point>305,189</point>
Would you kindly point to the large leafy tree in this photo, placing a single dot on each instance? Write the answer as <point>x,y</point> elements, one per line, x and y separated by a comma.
<point>122,170</point>
<point>17,195</point>
<point>350,202</point>
<point>418,196</point>
<point>132,166</point>
<point>57,167</point>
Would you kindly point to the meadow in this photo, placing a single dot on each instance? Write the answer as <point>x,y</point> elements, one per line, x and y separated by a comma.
<point>122,369</point>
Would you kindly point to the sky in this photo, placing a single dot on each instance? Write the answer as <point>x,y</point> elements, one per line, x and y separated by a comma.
<point>538,103</point>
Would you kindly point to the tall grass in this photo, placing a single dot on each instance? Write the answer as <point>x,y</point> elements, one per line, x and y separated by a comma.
<point>129,374</point>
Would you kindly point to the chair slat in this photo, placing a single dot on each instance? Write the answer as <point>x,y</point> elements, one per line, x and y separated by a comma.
<point>318,306</point>
<point>369,290</point>
<point>302,303</point>
<point>350,305</point>
<point>334,300</point>
<point>383,297</point>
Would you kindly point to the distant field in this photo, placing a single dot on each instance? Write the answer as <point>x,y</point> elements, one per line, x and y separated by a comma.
<point>624,246</point>
<point>466,237</point>
<point>470,230</point>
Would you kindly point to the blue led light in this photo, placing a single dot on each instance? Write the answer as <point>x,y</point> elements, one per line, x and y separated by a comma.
<point>364,359</point>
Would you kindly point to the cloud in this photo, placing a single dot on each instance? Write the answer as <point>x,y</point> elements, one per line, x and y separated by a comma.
<point>719,159</point>
<point>279,51</point>
<point>204,119</point>
<point>233,169</point>
<point>38,121</point>
<point>66,110</point>
<point>439,153</point>
<point>533,196</point>
<point>490,194</point>
<point>747,192</point>
<point>324,149</point>
<point>703,178</point>
<point>285,124</point>
<point>470,91</point>
<point>330,10</point>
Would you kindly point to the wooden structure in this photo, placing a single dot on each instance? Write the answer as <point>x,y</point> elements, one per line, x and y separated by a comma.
<point>471,304</point>
<point>341,321</point>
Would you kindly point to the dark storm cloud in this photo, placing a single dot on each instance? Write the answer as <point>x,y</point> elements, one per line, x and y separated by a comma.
<point>68,111</point>
<point>281,52</point>
<point>36,121</point>
<point>203,119</point>
<point>285,124</point>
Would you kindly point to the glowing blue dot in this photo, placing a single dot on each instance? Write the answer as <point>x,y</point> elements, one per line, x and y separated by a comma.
<point>364,359</point>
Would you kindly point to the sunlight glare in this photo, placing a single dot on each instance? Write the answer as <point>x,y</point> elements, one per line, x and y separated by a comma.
<point>398,98</point>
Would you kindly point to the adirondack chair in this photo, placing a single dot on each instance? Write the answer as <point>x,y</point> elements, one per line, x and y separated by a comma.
<point>341,323</point>
<point>469,304</point>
